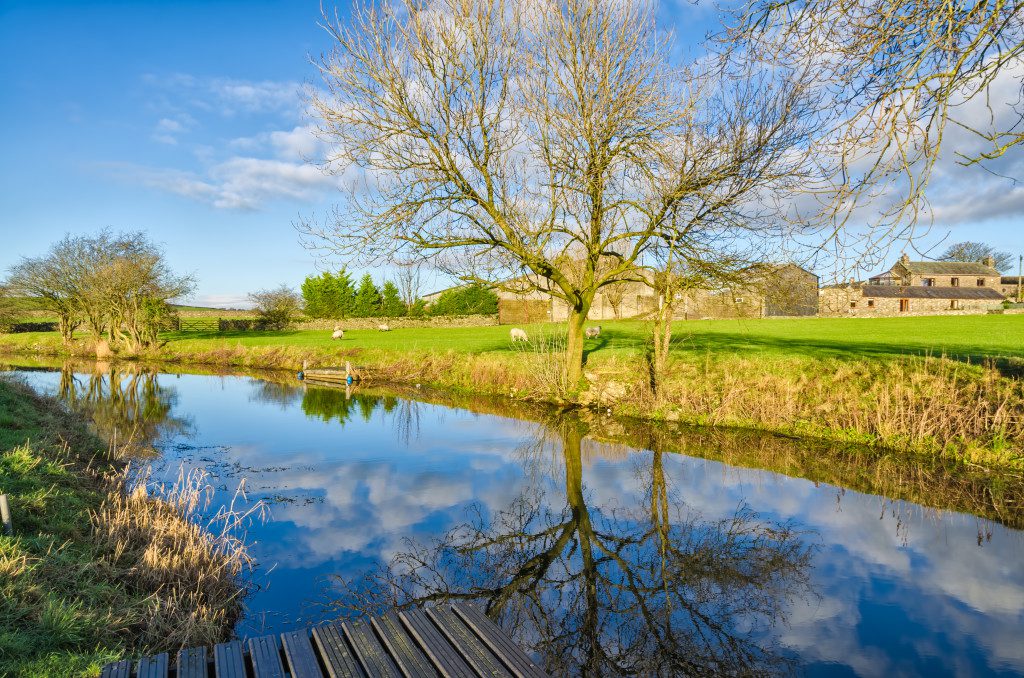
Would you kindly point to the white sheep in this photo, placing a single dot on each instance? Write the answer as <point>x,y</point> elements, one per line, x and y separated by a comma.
<point>383,328</point>
<point>338,333</point>
<point>593,332</point>
<point>517,334</point>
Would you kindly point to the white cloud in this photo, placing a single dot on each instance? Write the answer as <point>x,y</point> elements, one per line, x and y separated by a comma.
<point>228,96</point>
<point>297,144</point>
<point>169,129</point>
<point>238,183</point>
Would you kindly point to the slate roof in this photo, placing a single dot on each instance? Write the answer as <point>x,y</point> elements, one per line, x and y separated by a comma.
<point>1010,280</point>
<point>950,268</point>
<point>893,292</point>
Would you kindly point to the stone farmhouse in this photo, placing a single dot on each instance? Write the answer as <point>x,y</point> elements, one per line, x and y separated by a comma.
<point>919,288</point>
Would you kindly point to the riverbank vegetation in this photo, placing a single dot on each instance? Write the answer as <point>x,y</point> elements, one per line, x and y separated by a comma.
<point>96,567</point>
<point>944,386</point>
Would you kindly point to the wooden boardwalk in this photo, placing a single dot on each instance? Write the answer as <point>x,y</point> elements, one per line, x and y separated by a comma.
<point>453,640</point>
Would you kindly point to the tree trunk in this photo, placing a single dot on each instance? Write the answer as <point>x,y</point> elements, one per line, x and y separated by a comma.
<point>574,345</point>
<point>662,339</point>
<point>66,326</point>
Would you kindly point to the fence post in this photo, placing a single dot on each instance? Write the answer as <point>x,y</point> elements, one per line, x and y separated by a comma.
<point>5,515</point>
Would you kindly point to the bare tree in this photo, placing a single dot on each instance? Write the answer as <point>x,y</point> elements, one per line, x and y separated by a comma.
<point>118,285</point>
<point>897,72</point>
<point>135,284</point>
<point>53,281</point>
<point>978,251</point>
<point>552,143</point>
<point>409,284</point>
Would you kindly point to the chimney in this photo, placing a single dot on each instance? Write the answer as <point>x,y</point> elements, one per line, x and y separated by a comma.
<point>904,259</point>
<point>989,261</point>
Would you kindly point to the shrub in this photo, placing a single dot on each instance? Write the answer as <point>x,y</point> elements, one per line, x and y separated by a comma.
<point>466,300</point>
<point>276,307</point>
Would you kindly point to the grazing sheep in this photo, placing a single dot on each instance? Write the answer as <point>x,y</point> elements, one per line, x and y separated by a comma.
<point>383,328</point>
<point>517,334</point>
<point>593,332</point>
<point>338,333</point>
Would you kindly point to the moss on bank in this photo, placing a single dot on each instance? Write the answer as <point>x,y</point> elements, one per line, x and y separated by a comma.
<point>85,577</point>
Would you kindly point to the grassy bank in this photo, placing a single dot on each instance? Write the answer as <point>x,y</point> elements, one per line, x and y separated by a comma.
<point>931,385</point>
<point>92,572</point>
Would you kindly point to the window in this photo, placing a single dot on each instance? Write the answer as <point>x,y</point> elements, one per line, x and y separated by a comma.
<point>871,303</point>
<point>904,305</point>
<point>738,300</point>
<point>981,282</point>
<point>955,305</point>
<point>928,282</point>
<point>954,282</point>
<point>853,304</point>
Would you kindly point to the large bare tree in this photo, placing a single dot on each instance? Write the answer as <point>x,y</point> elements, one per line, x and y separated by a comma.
<point>552,143</point>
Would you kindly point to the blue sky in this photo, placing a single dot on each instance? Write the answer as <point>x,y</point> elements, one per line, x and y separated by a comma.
<point>185,120</point>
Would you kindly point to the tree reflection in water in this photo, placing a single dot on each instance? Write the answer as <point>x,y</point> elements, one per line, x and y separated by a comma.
<point>648,589</point>
<point>125,403</point>
<point>333,404</point>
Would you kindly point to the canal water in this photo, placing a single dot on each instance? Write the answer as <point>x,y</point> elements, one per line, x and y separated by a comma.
<point>607,547</point>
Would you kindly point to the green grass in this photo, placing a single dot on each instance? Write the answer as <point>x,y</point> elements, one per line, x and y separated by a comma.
<point>55,604</point>
<point>973,337</point>
<point>963,337</point>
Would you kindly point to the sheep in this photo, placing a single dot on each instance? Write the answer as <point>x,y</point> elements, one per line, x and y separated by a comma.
<point>593,332</point>
<point>383,328</point>
<point>338,333</point>
<point>517,334</point>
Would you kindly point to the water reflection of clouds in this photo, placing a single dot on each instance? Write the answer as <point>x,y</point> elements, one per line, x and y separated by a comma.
<point>880,567</point>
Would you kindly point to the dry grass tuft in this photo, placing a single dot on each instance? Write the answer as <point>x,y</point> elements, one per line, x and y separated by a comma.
<point>159,543</point>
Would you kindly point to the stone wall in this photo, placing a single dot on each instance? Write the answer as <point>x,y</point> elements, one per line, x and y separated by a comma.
<point>395,323</point>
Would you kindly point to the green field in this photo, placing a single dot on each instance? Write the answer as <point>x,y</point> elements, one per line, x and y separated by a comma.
<point>963,337</point>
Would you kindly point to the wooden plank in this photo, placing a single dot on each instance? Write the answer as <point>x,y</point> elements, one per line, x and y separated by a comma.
<point>302,662</point>
<point>445,657</point>
<point>465,641</point>
<point>410,659</point>
<point>121,669</point>
<point>153,667</point>
<point>372,656</point>
<point>265,654</point>
<point>336,653</point>
<point>192,663</point>
<point>500,643</point>
<point>229,660</point>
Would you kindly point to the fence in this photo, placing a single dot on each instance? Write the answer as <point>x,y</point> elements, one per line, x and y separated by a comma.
<point>199,325</point>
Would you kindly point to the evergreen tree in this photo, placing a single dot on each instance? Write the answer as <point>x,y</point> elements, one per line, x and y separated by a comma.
<point>344,294</point>
<point>418,309</point>
<point>367,300</point>
<point>392,305</point>
<point>315,295</point>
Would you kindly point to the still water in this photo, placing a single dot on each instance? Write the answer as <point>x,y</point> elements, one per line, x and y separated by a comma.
<point>607,547</point>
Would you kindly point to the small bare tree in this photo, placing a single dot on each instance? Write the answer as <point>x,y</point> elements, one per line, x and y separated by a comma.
<point>555,144</point>
<point>54,282</point>
<point>409,284</point>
